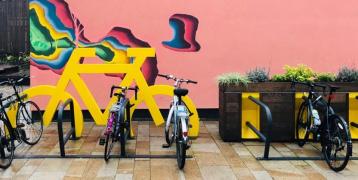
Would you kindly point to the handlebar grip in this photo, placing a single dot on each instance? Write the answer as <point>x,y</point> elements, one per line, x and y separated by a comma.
<point>194,82</point>
<point>163,75</point>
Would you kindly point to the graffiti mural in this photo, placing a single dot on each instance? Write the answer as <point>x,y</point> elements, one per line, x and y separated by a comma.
<point>55,32</point>
<point>184,29</point>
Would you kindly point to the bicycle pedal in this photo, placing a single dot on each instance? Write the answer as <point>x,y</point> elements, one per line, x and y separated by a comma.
<point>20,125</point>
<point>102,141</point>
<point>166,146</point>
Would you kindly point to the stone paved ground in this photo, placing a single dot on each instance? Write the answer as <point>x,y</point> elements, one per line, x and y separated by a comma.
<point>212,159</point>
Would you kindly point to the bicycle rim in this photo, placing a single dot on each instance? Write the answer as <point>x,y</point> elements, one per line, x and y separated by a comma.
<point>30,116</point>
<point>7,146</point>
<point>337,149</point>
<point>169,133</point>
<point>303,123</point>
<point>109,143</point>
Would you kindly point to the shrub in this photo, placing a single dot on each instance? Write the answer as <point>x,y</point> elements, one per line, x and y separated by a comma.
<point>300,73</point>
<point>258,75</point>
<point>346,74</point>
<point>325,77</point>
<point>233,78</point>
<point>279,78</point>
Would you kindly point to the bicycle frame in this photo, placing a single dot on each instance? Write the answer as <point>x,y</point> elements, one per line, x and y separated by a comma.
<point>72,71</point>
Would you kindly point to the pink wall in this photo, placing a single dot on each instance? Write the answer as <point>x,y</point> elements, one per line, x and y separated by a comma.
<point>235,35</point>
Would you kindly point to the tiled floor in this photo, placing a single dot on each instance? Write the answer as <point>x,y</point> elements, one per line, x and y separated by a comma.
<point>212,159</point>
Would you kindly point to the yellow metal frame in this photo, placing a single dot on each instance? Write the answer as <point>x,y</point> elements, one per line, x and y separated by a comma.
<point>353,113</point>
<point>251,113</point>
<point>72,72</point>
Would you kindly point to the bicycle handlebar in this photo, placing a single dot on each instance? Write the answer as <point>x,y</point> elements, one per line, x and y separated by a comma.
<point>135,89</point>
<point>13,81</point>
<point>169,76</point>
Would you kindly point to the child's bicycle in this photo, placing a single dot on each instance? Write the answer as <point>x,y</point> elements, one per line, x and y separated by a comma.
<point>118,125</point>
<point>177,123</point>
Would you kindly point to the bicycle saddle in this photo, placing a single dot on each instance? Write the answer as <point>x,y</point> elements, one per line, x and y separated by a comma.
<point>180,92</point>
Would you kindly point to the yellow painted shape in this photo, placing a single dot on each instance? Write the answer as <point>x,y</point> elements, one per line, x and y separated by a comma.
<point>133,72</point>
<point>251,113</point>
<point>52,91</point>
<point>11,113</point>
<point>298,102</point>
<point>353,113</point>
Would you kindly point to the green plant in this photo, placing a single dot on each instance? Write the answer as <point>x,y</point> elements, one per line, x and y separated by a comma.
<point>346,74</point>
<point>279,78</point>
<point>232,78</point>
<point>258,75</point>
<point>301,73</point>
<point>325,77</point>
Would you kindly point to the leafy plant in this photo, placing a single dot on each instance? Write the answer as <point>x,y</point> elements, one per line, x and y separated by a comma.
<point>301,73</point>
<point>279,78</point>
<point>346,74</point>
<point>232,78</point>
<point>258,75</point>
<point>325,77</point>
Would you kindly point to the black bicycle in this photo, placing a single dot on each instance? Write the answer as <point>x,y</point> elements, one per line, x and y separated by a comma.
<point>332,131</point>
<point>28,127</point>
<point>118,125</point>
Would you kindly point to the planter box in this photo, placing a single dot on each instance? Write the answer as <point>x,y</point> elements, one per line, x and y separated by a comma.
<point>282,101</point>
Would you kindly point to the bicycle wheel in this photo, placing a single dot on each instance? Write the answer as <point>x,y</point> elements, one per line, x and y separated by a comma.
<point>7,145</point>
<point>123,121</point>
<point>303,123</point>
<point>338,147</point>
<point>180,147</point>
<point>30,117</point>
<point>168,130</point>
<point>110,140</point>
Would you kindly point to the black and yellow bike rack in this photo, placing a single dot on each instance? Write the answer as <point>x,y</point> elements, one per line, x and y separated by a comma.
<point>249,109</point>
<point>71,135</point>
<point>265,138</point>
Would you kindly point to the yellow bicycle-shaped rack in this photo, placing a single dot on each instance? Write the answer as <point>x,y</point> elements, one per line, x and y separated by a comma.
<point>132,73</point>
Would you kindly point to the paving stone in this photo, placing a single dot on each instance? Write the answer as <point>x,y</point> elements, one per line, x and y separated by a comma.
<point>217,173</point>
<point>212,158</point>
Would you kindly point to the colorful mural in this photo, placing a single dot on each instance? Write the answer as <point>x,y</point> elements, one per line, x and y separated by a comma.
<point>184,29</point>
<point>192,39</point>
<point>55,32</point>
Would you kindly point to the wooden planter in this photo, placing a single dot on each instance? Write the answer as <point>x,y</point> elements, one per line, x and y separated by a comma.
<point>282,101</point>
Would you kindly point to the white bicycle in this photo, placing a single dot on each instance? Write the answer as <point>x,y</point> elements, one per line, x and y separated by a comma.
<point>177,123</point>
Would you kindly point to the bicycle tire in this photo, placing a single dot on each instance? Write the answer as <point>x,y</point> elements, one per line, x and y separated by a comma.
<point>109,139</point>
<point>340,134</point>
<point>122,121</point>
<point>169,133</point>
<point>180,147</point>
<point>300,125</point>
<point>7,145</point>
<point>33,122</point>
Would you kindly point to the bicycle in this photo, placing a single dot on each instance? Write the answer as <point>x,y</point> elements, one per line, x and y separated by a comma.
<point>118,125</point>
<point>74,68</point>
<point>28,120</point>
<point>332,131</point>
<point>178,116</point>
